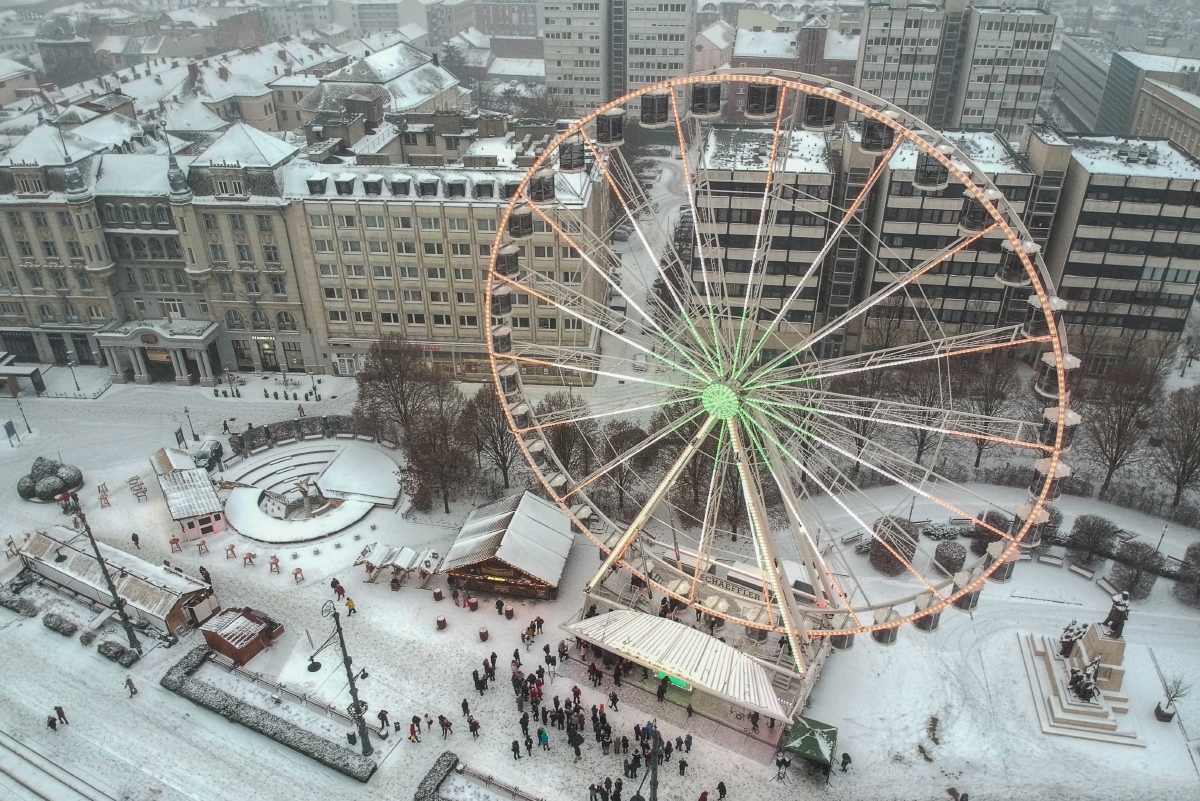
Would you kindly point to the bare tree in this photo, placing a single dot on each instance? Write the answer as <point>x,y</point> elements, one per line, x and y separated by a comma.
<point>990,391</point>
<point>438,445</point>
<point>394,383</point>
<point>1135,568</point>
<point>921,384</point>
<point>570,441</point>
<point>1176,688</point>
<point>1191,344</point>
<point>618,438</point>
<point>1118,409</point>
<point>1177,461</point>
<point>494,440</point>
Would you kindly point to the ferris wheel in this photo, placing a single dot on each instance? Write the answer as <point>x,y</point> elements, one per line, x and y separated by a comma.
<point>738,455</point>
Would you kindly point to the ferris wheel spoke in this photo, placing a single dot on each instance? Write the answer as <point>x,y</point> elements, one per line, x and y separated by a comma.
<point>768,560</point>
<point>639,521</point>
<point>819,572</point>
<point>606,275</point>
<point>886,358</point>
<point>830,241</point>
<point>712,510</point>
<point>857,519</point>
<point>566,309</point>
<point>668,249</point>
<point>717,347</point>
<point>892,466</point>
<point>611,409</point>
<point>649,442</point>
<point>591,371</point>
<point>949,421</point>
<point>750,307</point>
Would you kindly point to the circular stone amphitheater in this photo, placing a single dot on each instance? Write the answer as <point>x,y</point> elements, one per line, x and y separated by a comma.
<point>309,490</point>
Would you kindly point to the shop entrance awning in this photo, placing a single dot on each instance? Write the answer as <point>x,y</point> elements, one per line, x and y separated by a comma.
<point>686,654</point>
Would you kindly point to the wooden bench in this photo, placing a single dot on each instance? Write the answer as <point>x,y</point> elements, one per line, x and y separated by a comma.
<point>288,441</point>
<point>852,538</point>
<point>1050,559</point>
<point>1107,586</point>
<point>1025,556</point>
<point>963,521</point>
<point>258,450</point>
<point>1087,572</point>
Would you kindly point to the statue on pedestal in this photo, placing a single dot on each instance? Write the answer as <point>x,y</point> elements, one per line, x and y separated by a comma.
<point>1117,615</point>
<point>1083,682</point>
<point>1070,635</point>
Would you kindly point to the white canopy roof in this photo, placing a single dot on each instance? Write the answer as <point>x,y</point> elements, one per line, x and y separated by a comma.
<point>684,653</point>
<point>524,531</point>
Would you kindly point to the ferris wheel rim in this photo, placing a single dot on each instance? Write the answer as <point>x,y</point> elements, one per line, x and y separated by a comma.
<point>910,130</point>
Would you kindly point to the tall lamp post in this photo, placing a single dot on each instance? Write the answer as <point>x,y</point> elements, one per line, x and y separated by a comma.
<point>71,367</point>
<point>118,601</point>
<point>188,415</point>
<point>28,430</point>
<point>357,708</point>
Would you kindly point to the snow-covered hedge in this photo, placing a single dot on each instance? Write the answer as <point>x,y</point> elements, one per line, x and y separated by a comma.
<point>56,622</point>
<point>179,680</point>
<point>430,786</point>
<point>22,606</point>
<point>950,557</point>
<point>118,653</point>
<point>940,532</point>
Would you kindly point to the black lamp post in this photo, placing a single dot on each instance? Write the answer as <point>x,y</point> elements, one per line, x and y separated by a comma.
<point>357,708</point>
<point>71,367</point>
<point>28,430</point>
<point>118,601</point>
<point>188,415</point>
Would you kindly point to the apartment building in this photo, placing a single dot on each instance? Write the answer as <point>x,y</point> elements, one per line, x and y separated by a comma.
<point>1083,63</point>
<point>598,51</point>
<point>1168,112</point>
<point>16,80</point>
<point>1125,246</point>
<point>405,249</point>
<point>977,67</point>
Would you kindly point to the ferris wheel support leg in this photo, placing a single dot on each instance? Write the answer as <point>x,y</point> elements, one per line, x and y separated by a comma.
<point>652,502</point>
<point>768,560</point>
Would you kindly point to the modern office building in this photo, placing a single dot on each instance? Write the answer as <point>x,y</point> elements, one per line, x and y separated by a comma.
<point>1127,73</point>
<point>1169,112</point>
<point>1083,63</point>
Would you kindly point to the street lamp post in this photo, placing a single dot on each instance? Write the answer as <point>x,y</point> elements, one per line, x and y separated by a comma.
<point>356,707</point>
<point>28,430</point>
<point>71,367</point>
<point>118,601</point>
<point>188,415</point>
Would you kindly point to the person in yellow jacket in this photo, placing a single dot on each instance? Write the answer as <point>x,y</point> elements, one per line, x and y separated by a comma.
<point>349,607</point>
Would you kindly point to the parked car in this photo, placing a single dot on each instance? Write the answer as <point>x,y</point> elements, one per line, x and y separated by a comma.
<point>209,454</point>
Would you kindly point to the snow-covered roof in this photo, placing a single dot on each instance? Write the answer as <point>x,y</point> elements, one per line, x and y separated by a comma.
<point>1191,98</point>
<point>383,66</point>
<point>524,531</point>
<point>1101,155</point>
<point>841,46</point>
<point>248,147</point>
<point>44,146</point>
<point>190,114</point>
<point>12,69</point>
<point>684,653</point>
<point>150,588</point>
<point>75,115</point>
<point>720,34</point>
<point>238,627</point>
<point>473,37</point>
<point>986,148</point>
<point>165,460</point>
<point>371,43</point>
<point>732,148</point>
<point>764,44</point>
<point>132,175</point>
<point>1153,63</point>
<point>189,493</point>
<point>362,473</point>
<point>413,32</point>
<point>512,68</point>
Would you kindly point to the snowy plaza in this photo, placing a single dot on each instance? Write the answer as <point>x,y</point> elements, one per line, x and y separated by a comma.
<point>952,709</point>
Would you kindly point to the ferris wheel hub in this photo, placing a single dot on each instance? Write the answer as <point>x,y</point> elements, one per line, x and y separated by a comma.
<point>720,400</point>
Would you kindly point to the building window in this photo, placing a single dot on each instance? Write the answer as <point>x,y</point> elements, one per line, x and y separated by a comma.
<point>84,280</point>
<point>285,321</point>
<point>64,220</point>
<point>431,224</point>
<point>244,253</point>
<point>49,249</point>
<point>333,293</point>
<point>95,312</point>
<point>373,221</point>
<point>347,221</point>
<point>460,249</point>
<point>441,320</point>
<point>318,220</point>
<point>377,246</point>
<point>277,285</point>
<point>35,278</point>
<point>363,317</point>
<point>468,321</point>
<point>251,284</point>
<point>24,248</point>
<point>547,324</point>
<point>434,249</point>
<point>415,319</point>
<point>237,222</point>
<point>328,270</point>
<point>360,294</point>
<point>402,222</point>
<point>458,224</point>
<point>270,253</point>
<point>337,316</point>
<point>210,222</point>
<point>14,218</point>
<point>356,271</point>
<point>234,319</point>
<point>39,219</point>
<point>225,284</point>
<point>389,318</point>
<point>217,251</point>
<point>382,270</point>
<point>59,278</point>
<point>412,296</point>
<point>46,313</point>
<point>351,246</point>
<point>259,320</point>
<point>263,221</point>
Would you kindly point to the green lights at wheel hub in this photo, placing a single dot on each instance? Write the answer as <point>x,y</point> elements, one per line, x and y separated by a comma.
<point>721,401</point>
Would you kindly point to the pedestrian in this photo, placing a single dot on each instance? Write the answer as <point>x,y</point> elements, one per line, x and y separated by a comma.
<point>690,711</point>
<point>608,783</point>
<point>754,721</point>
<point>499,611</point>
<point>538,624</point>
<point>136,542</point>
<point>592,792</point>
<point>683,763</point>
<point>635,765</point>
<point>416,719</point>
<point>720,790</point>
<point>339,591</point>
<point>617,676</point>
<point>466,709</point>
<point>300,409</point>
<point>524,723</point>
<point>704,796</point>
<point>616,796</point>
<point>625,773</point>
<point>62,715</point>
<point>667,751</point>
<point>473,727</point>
<point>845,761</point>
<point>678,743</point>
<point>516,749</point>
<point>637,732</point>
<point>225,426</point>
<point>454,595</point>
<point>662,691</point>
<point>52,722</point>
<point>383,717</point>
<point>528,745</point>
<point>129,684</point>
<point>576,692</point>
<point>205,575</point>
<point>413,729</point>
<point>624,744</point>
<point>446,726</point>
<point>349,607</point>
<point>605,744</point>
<point>545,716</point>
<point>612,699</point>
<point>543,739</point>
<point>517,656</point>
<point>687,743</point>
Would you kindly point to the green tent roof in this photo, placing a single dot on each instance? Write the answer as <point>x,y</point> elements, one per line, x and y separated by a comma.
<point>812,740</point>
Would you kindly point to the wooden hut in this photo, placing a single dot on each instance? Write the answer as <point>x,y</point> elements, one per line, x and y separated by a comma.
<point>240,633</point>
<point>193,502</point>
<point>517,546</point>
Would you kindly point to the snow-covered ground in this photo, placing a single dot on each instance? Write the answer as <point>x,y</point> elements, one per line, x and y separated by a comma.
<point>969,675</point>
